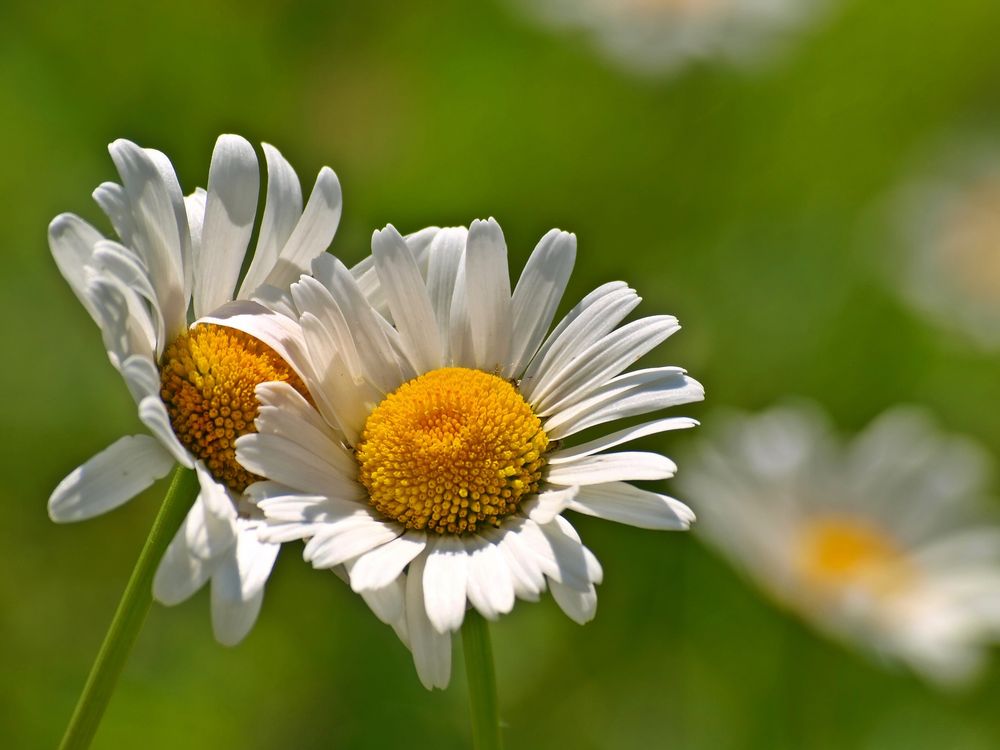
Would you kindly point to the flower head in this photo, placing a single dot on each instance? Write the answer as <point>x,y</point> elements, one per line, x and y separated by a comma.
<point>876,541</point>
<point>163,295</point>
<point>434,464</point>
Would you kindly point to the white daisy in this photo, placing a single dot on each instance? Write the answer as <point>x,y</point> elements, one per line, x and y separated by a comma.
<point>876,542</point>
<point>949,223</point>
<point>661,36</point>
<point>178,260</point>
<point>434,465</point>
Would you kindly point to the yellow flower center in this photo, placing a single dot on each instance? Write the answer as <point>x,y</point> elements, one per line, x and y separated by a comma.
<point>207,381</point>
<point>844,552</point>
<point>450,450</point>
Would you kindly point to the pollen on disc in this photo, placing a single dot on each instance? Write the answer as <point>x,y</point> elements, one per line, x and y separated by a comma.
<point>208,378</point>
<point>451,450</point>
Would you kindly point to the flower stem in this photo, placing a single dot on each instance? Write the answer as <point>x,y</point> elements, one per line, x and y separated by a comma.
<point>482,682</point>
<point>130,615</point>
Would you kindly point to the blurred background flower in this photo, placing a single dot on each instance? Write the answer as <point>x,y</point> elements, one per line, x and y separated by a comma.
<point>879,541</point>
<point>660,36</point>
<point>947,222</point>
<point>735,202</point>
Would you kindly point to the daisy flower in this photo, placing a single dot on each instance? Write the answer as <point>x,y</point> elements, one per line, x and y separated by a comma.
<point>949,222</point>
<point>434,464</point>
<point>876,541</point>
<point>162,294</point>
<point>661,36</point>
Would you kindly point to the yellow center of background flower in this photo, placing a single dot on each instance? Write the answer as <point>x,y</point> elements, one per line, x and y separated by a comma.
<point>841,552</point>
<point>207,381</point>
<point>451,450</point>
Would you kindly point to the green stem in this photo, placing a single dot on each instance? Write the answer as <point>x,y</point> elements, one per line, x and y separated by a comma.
<point>130,615</point>
<point>482,682</point>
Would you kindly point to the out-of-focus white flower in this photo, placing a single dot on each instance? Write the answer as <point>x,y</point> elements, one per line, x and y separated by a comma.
<point>660,36</point>
<point>433,464</point>
<point>876,541</point>
<point>949,222</point>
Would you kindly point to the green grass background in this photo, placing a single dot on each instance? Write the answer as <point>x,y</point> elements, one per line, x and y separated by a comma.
<point>749,204</point>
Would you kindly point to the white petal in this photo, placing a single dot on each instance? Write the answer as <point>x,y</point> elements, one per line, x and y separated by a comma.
<point>613,467</point>
<point>141,377</point>
<point>281,212</point>
<point>444,259</point>
<point>407,299</point>
<point>384,564</point>
<point>115,475</point>
<point>230,209</point>
<point>537,296</point>
<point>431,648</point>
<point>487,294</point>
<point>232,615</point>
<point>158,235</point>
<point>286,413</point>
<point>111,197</point>
<point>119,263</point>
<point>445,576</point>
<point>626,435</point>
<point>313,232</point>
<point>370,331</point>
<point>573,568</point>
<point>153,414</point>
<point>545,506</point>
<point>388,604</point>
<point>182,572</point>
<point>593,317</point>
<point>212,529</point>
<point>628,395</point>
<point>598,363</point>
<point>348,539</point>
<point>254,558</point>
<point>72,241</point>
<point>284,461</point>
<point>194,206</point>
<point>490,586</point>
<point>580,606</point>
<point>623,503</point>
<point>123,333</point>
<point>526,575</point>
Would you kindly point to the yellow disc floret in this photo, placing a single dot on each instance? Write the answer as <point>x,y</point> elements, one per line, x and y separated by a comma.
<point>207,381</point>
<point>451,450</point>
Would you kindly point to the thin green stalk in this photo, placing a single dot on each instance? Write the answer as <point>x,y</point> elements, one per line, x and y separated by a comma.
<point>130,615</point>
<point>482,682</point>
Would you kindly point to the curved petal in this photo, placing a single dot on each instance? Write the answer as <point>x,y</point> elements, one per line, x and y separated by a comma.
<point>158,237</point>
<point>407,299</point>
<point>230,209</point>
<point>537,295</point>
<point>445,578</point>
<point>597,364</point>
<point>612,467</point>
<point>112,477</point>
<point>312,234</point>
<point>431,648</point>
<point>623,503</point>
<point>626,435</point>
<point>376,569</point>
<point>183,571</point>
<point>281,213</point>
<point>490,585</point>
<point>487,289</point>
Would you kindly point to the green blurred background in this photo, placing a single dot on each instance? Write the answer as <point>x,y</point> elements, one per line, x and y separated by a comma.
<point>748,203</point>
